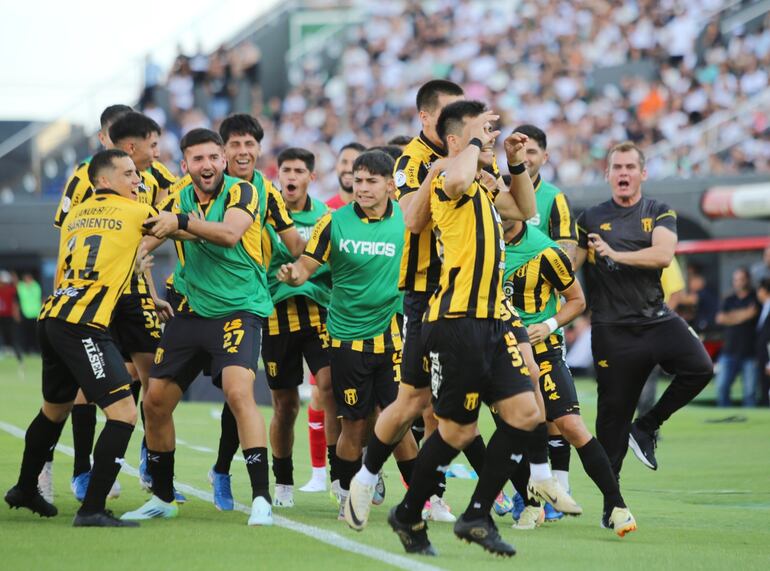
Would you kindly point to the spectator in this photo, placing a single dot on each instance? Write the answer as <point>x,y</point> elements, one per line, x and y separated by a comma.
<point>763,342</point>
<point>9,314</point>
<point>738,316</point>
<point>761,270</point>
<point>30,302</point>
<point>579,357</point>
<point>699,304</point>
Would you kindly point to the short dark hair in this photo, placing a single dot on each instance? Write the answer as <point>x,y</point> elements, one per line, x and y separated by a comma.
<point>450,122</point>
<point>103,160</point>
<point>241,124</point>
<point>198,137</point>
<point>394,151</point>
<point>427,95</point>
<point>354,145</point>
<point>133,124</point>
<point>400,140</point>
<point>764,284</point>
<point>624,147</point>
<point>297,154</point>
<point>376,162</point>
<point>112,114</point>
<point>534,133</point>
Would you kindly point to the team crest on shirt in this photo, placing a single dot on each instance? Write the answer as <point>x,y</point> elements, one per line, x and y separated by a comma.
<point>351,396</point>
<point>272,368</point>
<point>158,356</point>
<point>471,401</point>
<point>647,224</point>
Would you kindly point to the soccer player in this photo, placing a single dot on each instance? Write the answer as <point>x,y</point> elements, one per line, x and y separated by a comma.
<point>297,327</point>
<point>627,241</point>
<point>344,167</point>
<point>554,218</point>
<point>242,135</point>
<point>362,244</point>
<point>537,272</point>
<point>97,250</point>
<point>473,355</point>
<point>224,282</point>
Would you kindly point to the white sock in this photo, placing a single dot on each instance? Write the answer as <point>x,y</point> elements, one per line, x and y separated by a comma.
<point>540,472</point>
<point>319,473</point>
<point>563,477</point>
<point>365,477</point>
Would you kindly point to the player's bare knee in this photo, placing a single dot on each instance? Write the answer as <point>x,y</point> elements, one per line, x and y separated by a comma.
<point>56,412</point>
<point>286,405</point>
<point>573,429</point>
<point>458,436</point>
<point>123,410</point>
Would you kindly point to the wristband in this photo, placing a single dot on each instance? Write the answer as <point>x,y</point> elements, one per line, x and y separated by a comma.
<point>552,324</point>
<point>516,169</point>
<point>182,220</point>
<point>476,142</point>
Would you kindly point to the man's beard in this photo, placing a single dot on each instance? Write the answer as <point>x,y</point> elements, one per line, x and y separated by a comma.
<point>348,189</point>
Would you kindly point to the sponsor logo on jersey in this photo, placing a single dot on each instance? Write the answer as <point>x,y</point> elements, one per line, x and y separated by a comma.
<point>400,178</point>
<point>603,364</point>
<point>367,248</point>
<point>95,357</point>
<point>535,220</point>
<point>607,226</point>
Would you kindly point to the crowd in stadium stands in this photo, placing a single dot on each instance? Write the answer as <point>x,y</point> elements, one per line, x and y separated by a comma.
<point>543,62</point>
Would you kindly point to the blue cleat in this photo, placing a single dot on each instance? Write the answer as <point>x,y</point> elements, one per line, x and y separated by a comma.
<point>503,504</point>
<point>145,480</point>
<point>79,485</point>
<point>518,506</point>
<point>551,514</point>
<point>179,497</point>
<point>223,494</point>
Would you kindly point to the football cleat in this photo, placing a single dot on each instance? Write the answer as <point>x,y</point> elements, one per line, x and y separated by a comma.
<point>45,482</point>
<point>550,491</point>
<point>483,532</point>
<point>530,518</point>
<point>284,496</point>
<point>344,494</point>
<point>101,519</point>
<point>145,480</point>
<point>551,514</point>
<point>179,497</point>
<point>17,498</point>
<point>621,521</point>
<point>643,444</point>
<point>154,508</point>
<point>314,485</point>
<point>436,509</point>
<point>414,537</point>
<point>335,491</point>
<point>359,504</point>
<point>79,485</point>
<point>379,490</point>
<point>115,490</point>
<point>503,504</point>
<point>223,494</point>
<point>261,512</point>
<point>518,506</point>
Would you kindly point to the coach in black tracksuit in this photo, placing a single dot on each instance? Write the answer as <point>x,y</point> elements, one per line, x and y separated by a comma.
<point>627,241</point>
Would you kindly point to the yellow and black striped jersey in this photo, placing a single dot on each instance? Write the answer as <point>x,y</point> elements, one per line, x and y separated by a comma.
<point>161,173</point>
<point>97,251</point>
<point>390,340</point>
<point>147,193</point>
<point>295,314</point>
<point>77,189</point>
<point>470,242</point>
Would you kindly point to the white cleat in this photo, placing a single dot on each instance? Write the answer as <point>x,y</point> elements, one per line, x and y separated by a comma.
<point>436,509</point>
<point>261,512</point>
<point>551,492</point>
<point>283,496</point>
<point>45,482</point>
<point>359,504</point>
<point>114,492</point>
<point>154,508</point>
<point>343,500</point>
<point>314,485</point>
<point>335,491</point>
<point>530,518</point>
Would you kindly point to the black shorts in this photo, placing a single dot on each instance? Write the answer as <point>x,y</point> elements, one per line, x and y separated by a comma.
<point>80,356</point>
<point>415,370</point>
<point>513,321</point>
<point>557,385</point>
<point>282,356</point>
<point>135,326</point>
<point>363,381</point>
<point>191,342</point>
<point>472,361</point>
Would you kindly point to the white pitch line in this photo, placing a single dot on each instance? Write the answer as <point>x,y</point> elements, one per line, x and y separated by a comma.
<point>317,533</point>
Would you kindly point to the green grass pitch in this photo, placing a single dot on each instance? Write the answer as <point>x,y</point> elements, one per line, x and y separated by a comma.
<point>707,507</point>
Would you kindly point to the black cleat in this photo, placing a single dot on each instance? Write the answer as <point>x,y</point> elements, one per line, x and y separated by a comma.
<point>414,537</point>
<point>17,498</point>
<point>643,444</point>
<point>483,531</point>
<point>101,519</point>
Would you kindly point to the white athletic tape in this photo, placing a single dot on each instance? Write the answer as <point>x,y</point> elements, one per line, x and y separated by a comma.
<point>317,533</point>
